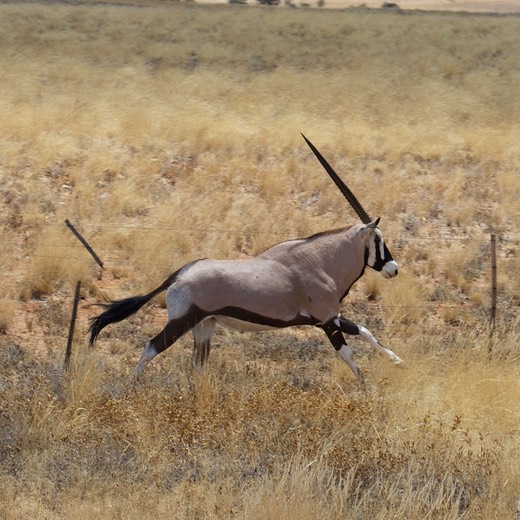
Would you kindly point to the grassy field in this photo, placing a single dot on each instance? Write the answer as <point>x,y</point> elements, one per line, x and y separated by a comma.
<point>170,131</point>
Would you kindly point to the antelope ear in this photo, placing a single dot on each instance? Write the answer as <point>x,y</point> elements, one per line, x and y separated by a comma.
<point>373,224</point>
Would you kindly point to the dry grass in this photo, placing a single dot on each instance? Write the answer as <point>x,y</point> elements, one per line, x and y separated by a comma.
<point>170,132</point>
<point>291,439</point>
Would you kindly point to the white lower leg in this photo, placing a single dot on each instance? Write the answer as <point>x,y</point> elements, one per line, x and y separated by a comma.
<point>367,336</point>
<point>202,334</point>
<point>346,354</point>
<point>199,356</point>
<point>148,354</point>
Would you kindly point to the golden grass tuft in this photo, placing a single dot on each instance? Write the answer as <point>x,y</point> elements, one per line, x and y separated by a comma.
<point>55,265</point>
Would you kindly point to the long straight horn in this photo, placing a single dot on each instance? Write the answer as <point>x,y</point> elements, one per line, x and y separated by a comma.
<point>358,208</point>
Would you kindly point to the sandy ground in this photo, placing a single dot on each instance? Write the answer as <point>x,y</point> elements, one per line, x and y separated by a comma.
<point>498,6</point>
<point>477,6</point>
<point>490,6</point>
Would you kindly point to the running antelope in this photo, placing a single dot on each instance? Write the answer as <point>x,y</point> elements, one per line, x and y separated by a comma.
<point>298,282</point>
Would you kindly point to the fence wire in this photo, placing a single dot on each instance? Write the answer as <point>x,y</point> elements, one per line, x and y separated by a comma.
<point>72,252</point>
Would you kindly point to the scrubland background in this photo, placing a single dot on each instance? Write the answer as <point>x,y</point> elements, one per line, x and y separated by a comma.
<point>167,132</point>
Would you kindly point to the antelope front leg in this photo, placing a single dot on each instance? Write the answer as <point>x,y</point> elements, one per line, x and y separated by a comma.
<point>333,330</point>
<point>353,329</point>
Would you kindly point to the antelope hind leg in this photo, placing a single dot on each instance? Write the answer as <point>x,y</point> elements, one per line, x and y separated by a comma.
<point>202,335</point>
<point>167,337</point>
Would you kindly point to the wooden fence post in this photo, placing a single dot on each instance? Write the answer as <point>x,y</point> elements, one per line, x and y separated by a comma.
<point>68,351</point>
<point>84,242</point>
<point>493,314</point>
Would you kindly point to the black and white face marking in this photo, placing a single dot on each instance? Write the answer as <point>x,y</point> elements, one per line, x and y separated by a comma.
<point>379,257</point>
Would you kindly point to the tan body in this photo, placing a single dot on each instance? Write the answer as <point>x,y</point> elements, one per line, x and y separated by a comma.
<point>295,278</point>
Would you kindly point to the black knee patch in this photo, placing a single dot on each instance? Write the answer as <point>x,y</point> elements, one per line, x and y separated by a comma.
<point>334,334</point>
<point>349,327</point>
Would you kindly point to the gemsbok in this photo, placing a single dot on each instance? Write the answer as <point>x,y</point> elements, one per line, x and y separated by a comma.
<point>297,282</point>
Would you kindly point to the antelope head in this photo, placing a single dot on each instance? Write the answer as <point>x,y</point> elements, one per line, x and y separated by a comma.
<point>379,256</point>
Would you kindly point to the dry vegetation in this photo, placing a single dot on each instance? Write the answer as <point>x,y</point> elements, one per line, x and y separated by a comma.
<point>171,132</point>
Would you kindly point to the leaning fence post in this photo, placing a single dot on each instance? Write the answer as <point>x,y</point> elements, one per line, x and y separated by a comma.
<point>84,242</point>
<point>493,315</point>
<point>68,351</point>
